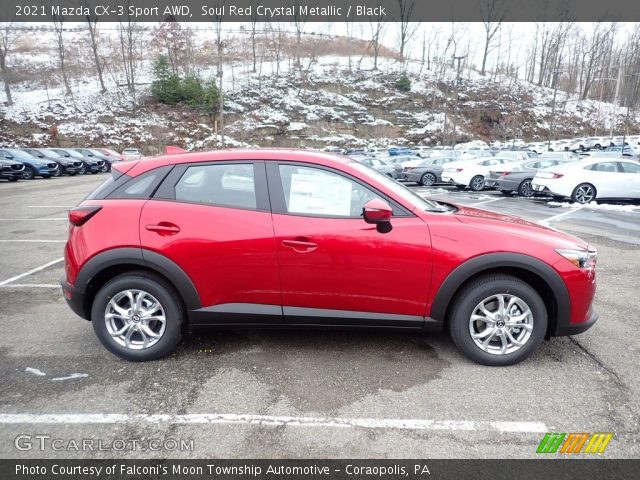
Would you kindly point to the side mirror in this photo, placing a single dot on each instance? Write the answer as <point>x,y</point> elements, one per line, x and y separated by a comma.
<point>378,212</point>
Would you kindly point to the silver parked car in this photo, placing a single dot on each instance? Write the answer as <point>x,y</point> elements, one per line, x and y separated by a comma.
<point>381,166</point>
<point>517,177</point>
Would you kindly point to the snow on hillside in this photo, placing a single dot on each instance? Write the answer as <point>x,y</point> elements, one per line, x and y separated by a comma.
<point>329,106</point>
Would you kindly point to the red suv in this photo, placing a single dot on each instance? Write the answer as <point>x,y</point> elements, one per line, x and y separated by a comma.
<point>283,238</point>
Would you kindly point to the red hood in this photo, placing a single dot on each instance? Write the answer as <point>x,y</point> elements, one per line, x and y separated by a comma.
<point>515,225</point>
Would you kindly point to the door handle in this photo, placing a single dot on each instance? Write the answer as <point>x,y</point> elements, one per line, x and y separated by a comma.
<point>301,245</point>
<point>163,228</point>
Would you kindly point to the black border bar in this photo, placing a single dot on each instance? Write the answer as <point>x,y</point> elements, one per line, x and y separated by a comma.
<point>556,469</point>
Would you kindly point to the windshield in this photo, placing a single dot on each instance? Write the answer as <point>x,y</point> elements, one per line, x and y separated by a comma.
<point>18,153</point>
<point>51,153</point>
<point>402,191</point>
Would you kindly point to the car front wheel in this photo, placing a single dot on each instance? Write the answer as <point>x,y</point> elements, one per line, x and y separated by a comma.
<point>29,173</point>
<point>138,316</point>
<point>498,320</point>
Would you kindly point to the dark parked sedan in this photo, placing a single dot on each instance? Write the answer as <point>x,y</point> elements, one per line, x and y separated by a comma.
<point>429,172</point>
<point>517,177</point>
<point>93,154</point>
<point>11,170</point>
<point>65,165</point>
<point>90,165</point>
<point>33,167</point>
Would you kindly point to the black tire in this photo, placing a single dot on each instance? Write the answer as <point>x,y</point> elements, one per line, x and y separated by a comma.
<point>428,179</point>
<point>29,173</point>
<point>525,188</point>
<point>597,146</point>
<point>477,183</point>
<point>506,192</point>
<point>584,193</point>
<point>163,292</point>
<point>466,301</point>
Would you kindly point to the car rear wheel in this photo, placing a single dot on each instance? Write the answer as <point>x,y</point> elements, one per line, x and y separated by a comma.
<point>477,183</point>
<point>584,193</point>
<point>138,316</point>
<point>498,320</point>
<point>428,179</point>
<point>29,173</point>
<point>525,189</point>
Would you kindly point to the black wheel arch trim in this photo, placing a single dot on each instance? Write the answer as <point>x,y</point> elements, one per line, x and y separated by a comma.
<point>492,261</point>
<point>144,258</point>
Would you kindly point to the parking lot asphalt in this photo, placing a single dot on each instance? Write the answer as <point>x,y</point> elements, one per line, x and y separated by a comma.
<point>309,394</point>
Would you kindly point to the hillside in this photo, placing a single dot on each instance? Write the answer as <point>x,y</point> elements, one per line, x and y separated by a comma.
<point>326,104</point>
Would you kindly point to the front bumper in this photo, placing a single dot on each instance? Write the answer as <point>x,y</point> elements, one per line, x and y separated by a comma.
<point>10,174</point>
<point>576,328</point>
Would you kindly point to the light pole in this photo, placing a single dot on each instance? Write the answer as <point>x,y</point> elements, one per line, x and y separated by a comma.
<point>628,101</point>
<point>553,107</point>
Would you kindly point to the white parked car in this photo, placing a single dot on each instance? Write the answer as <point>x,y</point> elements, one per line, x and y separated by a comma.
<point>591,179</point>
<point>421,151</point>
<point>515,155</point>
<point>132,153</point>
<point>472,173</point>
<point>581,144</point>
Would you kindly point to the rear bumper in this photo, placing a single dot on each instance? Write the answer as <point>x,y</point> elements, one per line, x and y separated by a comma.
<point>74,299</point>
<point>576,328</point>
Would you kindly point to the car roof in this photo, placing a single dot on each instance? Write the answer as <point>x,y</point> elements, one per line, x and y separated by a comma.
<point>315,157</point>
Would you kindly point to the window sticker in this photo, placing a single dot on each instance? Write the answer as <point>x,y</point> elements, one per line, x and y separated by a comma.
<point>320,194</point>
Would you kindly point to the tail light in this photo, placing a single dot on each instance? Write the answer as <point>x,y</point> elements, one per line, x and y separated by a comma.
<point>549,175</point>
<point>459,169</point>
<point>501,174</point>
<point>80,215</point>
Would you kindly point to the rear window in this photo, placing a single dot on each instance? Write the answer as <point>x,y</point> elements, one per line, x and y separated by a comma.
<point>108,185</point>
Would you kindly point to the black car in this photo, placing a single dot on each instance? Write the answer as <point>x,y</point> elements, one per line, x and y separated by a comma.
<point>65,165</point>
<point>89,152</point>
<point>11,170</point>
<point>89,164</point>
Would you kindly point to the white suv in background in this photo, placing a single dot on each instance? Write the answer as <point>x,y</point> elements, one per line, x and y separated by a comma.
<point>132,153</point>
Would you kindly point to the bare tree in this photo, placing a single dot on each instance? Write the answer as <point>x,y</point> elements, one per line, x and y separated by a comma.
<point>58,27</point>
<point>407,28</point>
<point>92,22</point>
<point>377,29</point>
<point>130,37</point>
<point>6,40</point>
<point>492,13</point>
<point>178,44</point>
<point>299,22</point>
<point>254,23</point>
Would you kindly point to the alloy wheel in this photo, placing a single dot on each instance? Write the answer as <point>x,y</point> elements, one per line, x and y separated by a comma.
<point>501,324</point>
<point>584,193</point>
<point>135,319</point>
<point>428,179</point>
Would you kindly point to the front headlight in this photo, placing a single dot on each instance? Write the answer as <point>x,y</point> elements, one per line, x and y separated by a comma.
<point>580,258</point>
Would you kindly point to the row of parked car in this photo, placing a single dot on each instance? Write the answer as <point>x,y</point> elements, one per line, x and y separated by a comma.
<point>29,163</point>
<point>581,178</point>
